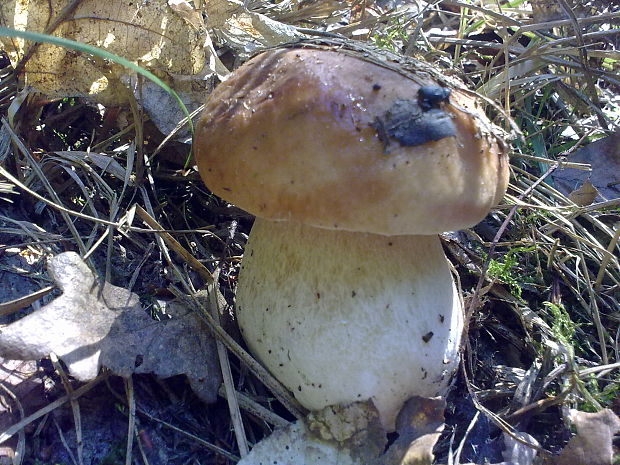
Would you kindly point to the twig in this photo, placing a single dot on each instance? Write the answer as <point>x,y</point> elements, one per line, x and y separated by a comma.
<point>256,409</point>
<point>131,419</point>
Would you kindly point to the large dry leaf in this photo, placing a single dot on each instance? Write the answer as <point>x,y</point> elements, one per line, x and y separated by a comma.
<point>92,325</point>
<point>604,156</point>
<point>148,33</point>
<point>592,444</point>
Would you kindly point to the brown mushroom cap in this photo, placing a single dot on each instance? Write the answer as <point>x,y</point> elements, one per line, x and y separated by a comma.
<point>337,142</point>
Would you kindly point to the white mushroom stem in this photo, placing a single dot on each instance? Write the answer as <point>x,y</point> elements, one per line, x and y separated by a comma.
<point>340,316</point>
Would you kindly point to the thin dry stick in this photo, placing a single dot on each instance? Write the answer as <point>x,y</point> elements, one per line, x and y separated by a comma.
<point>64,441</point>
<point>214,306</point>
<point>229,386</point>
<point>204,273</point>
<point>604,368</point>
<point>233,403</point>
<point>199,440</point>
<point>131,419</point>
<point>145,459</point>
<point>256,409</point>
<point>470,427</point>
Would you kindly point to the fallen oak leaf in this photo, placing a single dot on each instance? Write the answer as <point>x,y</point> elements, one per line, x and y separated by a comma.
<point>148,33</point>
<point>92,325</point>
<point>166,348</point>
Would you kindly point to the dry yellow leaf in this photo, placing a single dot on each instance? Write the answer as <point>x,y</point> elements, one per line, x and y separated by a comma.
<point>150,34</point>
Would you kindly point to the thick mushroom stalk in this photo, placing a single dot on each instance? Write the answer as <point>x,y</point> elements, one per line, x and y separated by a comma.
<point>344,316</point>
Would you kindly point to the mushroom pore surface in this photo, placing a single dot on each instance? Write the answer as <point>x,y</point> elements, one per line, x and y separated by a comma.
<point>339,317</point>
<point>337,142</point>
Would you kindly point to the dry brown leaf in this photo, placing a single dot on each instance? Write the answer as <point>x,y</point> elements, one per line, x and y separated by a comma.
<point>92,325</point>
<point>148,33</point>
<point>246,31</point>
<point>584,195</point>
<point>592,444</point>
<point>604,157</point>
<point>186,11</point>
<point>419,424</point>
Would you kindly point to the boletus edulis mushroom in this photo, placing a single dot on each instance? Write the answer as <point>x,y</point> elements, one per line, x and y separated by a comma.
<point>352,167</point>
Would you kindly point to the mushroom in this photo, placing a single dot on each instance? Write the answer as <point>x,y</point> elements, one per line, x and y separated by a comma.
<point>352,168</point>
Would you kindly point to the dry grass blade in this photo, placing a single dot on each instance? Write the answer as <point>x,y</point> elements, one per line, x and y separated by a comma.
<point>50,190</point>
<point>75,408</point>
<point>21,445</point>
<point>8,308</point>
